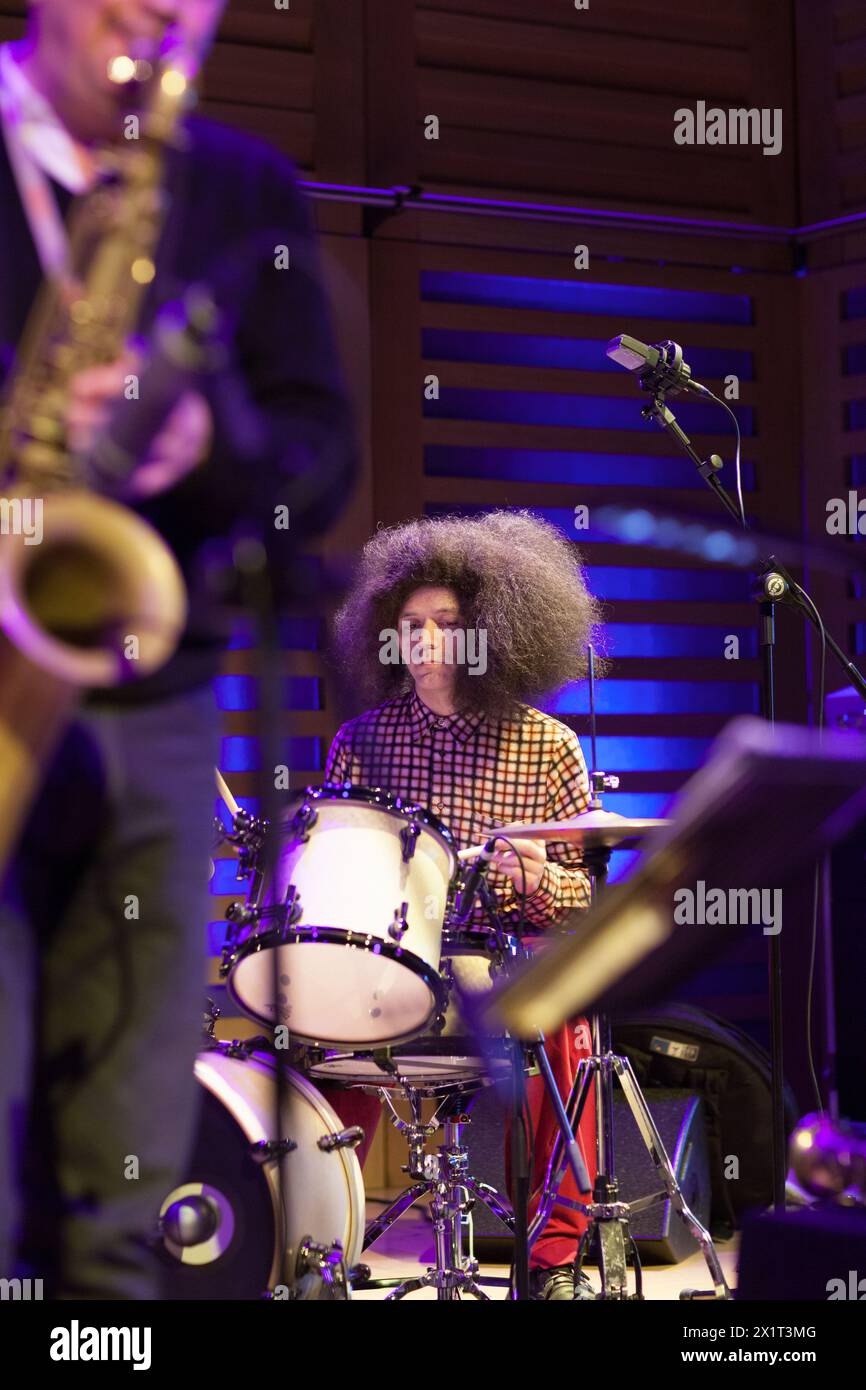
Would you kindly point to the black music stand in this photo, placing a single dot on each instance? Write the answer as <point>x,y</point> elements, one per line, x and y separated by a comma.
<point>767,797</point>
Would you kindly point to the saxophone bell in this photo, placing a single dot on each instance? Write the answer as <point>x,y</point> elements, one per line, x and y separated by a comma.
<point>100,600</point>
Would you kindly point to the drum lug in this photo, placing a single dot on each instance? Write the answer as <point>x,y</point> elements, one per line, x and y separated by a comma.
<point>208,1022</point>
<point>243,1048</point>
<point>267,1150</point>
<point>302,823</point>
<point>359,1275</point>
<point>399,927</point>
<point>292,907</point>
<point>408,839</point>
<point>327,1266</point>
<point>344,1139</point>
<point>240,915</point>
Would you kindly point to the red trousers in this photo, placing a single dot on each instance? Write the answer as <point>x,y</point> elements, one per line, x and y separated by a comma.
<point>557,1244</point>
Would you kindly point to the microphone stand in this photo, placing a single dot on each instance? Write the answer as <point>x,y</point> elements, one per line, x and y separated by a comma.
<point>774,584</point>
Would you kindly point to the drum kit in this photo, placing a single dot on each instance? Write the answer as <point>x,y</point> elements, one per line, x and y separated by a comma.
<point>348,949</point>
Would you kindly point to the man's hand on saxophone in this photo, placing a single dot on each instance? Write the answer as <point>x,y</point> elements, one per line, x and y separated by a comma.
<point>180,447</point>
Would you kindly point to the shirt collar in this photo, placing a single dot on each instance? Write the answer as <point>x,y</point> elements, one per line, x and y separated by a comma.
<point>41,132</point>
<point>424,721</point>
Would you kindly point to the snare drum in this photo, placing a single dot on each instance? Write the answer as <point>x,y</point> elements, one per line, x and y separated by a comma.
<point>365,877</point>
<point>431,1066</point>
<point>449,1060</point>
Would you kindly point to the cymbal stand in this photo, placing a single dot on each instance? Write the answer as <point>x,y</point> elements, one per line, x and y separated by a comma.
<point>608,1227</point>
<point>526,1055</point>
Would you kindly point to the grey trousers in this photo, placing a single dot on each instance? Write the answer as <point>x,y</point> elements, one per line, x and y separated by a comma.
<point>102,970</point>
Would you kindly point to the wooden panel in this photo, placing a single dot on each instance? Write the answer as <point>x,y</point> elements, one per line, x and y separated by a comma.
<point>831,43</point>
<point>539,102</point>
<point>567,103</point>
<point>665,19</point>
<point>406,249</point>
<point>278,77</point>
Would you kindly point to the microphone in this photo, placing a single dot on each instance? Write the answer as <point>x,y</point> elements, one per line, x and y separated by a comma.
<point>659,368</point>
<point>472,882</point>
<point>188,343</point>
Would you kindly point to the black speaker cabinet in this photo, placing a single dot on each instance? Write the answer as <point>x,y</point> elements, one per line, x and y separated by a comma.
<point>817,1254</point>
<point>661,1236</point>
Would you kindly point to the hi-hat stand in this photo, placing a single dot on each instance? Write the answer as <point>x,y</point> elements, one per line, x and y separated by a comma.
<point>608,1227</point>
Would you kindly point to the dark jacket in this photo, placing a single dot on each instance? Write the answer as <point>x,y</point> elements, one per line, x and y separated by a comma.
<point>233,201</point>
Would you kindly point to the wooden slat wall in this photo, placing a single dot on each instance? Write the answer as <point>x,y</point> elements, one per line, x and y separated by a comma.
<point>831,57</point>
<point>544,102</point>
<point>556,102</point>
<point>403,432</point>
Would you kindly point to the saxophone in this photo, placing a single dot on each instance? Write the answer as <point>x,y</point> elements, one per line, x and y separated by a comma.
<point>99,599</point>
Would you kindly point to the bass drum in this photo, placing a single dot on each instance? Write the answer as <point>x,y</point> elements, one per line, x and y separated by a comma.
<point>233,1239</point>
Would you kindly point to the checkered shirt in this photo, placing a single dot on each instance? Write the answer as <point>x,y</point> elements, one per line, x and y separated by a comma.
<point>475,775</point>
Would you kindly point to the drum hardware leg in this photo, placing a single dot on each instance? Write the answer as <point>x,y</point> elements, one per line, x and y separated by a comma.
<point>454,1272</point>
<point>416,1133</point>
<point>381,1223</point>
<point>445,1176</point>
<point>494,1201</point>
<point>609,1218</point>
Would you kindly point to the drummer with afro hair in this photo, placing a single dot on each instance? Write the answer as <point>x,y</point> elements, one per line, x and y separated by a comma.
<point>454,628</point>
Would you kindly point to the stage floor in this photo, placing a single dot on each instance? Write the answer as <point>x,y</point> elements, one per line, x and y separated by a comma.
<point>407,1249</point>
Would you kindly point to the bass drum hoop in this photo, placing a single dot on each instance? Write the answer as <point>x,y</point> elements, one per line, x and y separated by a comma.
<point>213,1080</point>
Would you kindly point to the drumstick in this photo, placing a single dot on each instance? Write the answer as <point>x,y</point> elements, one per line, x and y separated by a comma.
<point>223,789</point>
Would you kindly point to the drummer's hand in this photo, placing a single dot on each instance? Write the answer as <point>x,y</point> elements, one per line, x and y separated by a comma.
<point>533,853</point>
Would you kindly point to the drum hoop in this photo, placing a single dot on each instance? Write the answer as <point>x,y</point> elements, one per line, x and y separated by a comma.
<point>338,936</point>
<point>469,1081</point>
<point>383,800</point>
<point>307,1091</point>
<point>463,942</point>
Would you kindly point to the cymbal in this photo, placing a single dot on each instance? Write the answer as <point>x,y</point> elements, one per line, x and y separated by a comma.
<point>589,830</point>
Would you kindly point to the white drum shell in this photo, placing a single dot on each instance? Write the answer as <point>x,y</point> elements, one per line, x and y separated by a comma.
<point>350,876</point>
<point>323,1193</point>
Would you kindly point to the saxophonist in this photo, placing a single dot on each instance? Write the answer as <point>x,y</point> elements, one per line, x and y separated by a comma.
<point>102,950</point>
